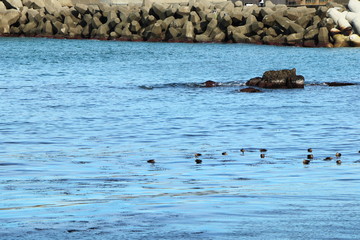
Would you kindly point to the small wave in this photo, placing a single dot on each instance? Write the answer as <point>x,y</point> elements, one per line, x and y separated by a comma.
<point>28,142</point>
<point>10,164</point>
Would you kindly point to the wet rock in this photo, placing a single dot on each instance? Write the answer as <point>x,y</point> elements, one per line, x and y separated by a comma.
<point>340,40</point>
<point>339,84</point>
<point>278,79</point>
<point>210,84</point>
<point>250,90</point>
<point>309,43</point>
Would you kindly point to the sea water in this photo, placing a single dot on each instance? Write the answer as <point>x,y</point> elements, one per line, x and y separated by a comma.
<point>80,118</point>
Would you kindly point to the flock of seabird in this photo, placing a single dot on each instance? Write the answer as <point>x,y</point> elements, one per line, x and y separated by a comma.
<point>307,161</point>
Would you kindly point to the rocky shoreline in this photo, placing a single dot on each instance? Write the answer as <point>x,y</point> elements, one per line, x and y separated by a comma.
<point>197,21</point>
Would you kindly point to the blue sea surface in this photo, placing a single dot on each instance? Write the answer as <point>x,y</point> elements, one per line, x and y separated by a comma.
<point>80,118</point>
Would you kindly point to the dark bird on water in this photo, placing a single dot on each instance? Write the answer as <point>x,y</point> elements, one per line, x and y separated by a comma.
<point>262,155</point>
<point>197,154</point>
<point>198,161</point>
<point>224,153</point>
<point>263,150</point>
<point>328,158</point>
<point>242,150</point>
<point>310,156</point>
<point>338,162</point>
<point>151,161</point>
<point>309,149</point>
<point>306,161</point>
<point>338,154</point>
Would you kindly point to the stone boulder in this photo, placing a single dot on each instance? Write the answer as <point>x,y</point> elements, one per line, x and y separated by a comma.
<point>339,84</point>
<point>323,37</point>
<point>81,8</point>
<point>158,10</point>
<point>2,7</point>
<point>36,4</point>
<point>52,6</point>
<point>278,79</point>
<point>66,3</point>
<point>7,18</point>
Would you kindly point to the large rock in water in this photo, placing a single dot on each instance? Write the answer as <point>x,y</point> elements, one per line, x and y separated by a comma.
<point>278,79</point>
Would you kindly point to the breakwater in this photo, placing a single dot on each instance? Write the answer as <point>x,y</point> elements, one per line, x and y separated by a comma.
<point>197,21</point>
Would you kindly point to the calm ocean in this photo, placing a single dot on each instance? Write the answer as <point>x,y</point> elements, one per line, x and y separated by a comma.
<point>80,118</point>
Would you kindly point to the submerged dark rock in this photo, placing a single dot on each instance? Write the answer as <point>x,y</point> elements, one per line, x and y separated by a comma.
<point>286,78</point>
<point>250,90</point>
<point>338,84</point>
